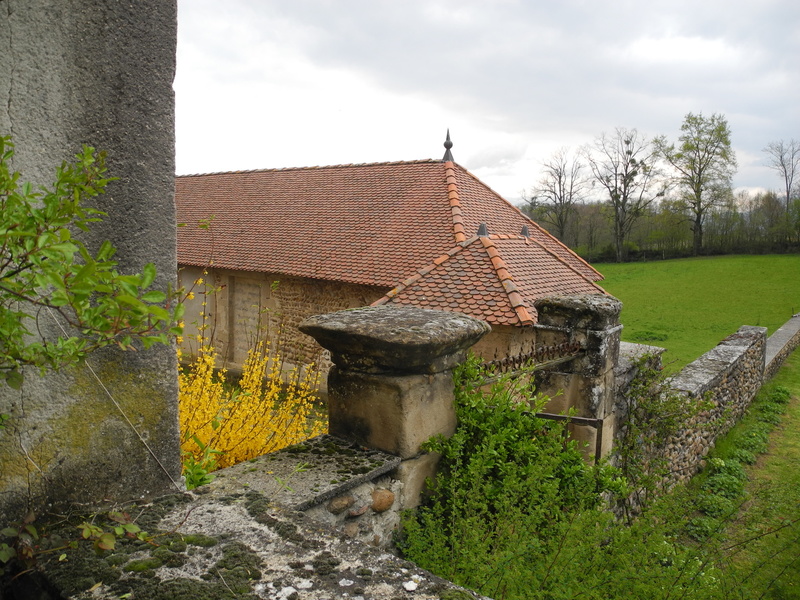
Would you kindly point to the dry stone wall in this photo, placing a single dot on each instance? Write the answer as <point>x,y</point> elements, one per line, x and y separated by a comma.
<point>727,377</point>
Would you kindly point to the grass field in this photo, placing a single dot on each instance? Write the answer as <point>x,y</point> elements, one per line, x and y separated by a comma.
<point>765,538</point>
<point>689,305</point>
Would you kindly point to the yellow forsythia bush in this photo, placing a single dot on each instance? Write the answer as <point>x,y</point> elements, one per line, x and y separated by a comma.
<point>262,413</point>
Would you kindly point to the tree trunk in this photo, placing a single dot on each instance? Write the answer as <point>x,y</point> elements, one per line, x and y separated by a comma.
<point>698,235</point>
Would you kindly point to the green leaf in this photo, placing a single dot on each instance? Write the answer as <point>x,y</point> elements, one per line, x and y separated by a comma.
<point>14,379</point>
<point>107,541</point>
<point>154,296</point>
<point>148,276</point>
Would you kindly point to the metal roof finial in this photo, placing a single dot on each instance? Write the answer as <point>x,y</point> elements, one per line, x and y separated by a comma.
<point>448,156</point>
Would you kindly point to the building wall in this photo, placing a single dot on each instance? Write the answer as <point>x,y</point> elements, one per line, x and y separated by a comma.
<point>241,307</point>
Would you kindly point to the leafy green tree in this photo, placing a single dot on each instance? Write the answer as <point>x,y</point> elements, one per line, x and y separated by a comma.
<point>47,274</point>
<point>704,163</point>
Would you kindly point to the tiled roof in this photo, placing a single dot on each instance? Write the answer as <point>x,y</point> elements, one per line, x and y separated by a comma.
<point>495,278</point>
<point>371,224</point>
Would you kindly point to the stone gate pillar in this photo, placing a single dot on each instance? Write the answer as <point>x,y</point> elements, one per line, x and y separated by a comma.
<point>391,386</point>
<point>585,383</point>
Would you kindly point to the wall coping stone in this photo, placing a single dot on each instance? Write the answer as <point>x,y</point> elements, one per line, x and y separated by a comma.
<point>295,556</point>
<point>786,335</point>
<point>307,474</point>
<point>704,373</point>
<point>377,339</point>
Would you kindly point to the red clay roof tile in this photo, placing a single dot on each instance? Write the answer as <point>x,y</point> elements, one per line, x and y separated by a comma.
<point>495,278</point>
<point>371,224</point>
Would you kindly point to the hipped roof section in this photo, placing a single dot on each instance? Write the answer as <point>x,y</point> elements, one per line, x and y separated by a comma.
<point>496,278</point>
<point>371,224</point>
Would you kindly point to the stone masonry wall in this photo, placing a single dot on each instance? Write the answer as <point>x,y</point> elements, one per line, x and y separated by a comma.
<point>728,376</point>
<point>246,306</point>
<point>781,344</point>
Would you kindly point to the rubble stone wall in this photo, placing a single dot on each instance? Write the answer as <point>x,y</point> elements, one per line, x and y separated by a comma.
<point>728,377</point>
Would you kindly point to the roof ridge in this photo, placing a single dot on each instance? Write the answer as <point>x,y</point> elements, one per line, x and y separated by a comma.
<point>459,233</point>
<point>315,167</point>
<point>507,281</point>
<point>420,273</point>
<point>541,229</point>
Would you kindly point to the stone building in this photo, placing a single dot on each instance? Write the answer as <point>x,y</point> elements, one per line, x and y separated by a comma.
<point>281,245</point>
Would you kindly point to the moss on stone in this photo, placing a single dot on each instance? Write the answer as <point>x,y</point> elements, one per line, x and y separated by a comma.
<point>181,589</point>
<point>237,567</point>
<point>168,557</point>
<point>199,539</point>
<point>137,566</point>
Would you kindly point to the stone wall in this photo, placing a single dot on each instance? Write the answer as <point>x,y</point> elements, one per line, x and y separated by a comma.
<point>728,376</point>
<point>781,344</point>
<point>98,73</point>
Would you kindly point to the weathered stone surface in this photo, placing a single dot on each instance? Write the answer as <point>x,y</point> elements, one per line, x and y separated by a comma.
<point>395,338</point>
<point>241,541</point>
<point>728,376</point>
<point>340,504</point>
<point>413,473</point>
<point>393,413</point>
<point>307,474</point>
<point>98,73</point>
<point>582,311</point>
<point>780,344</point>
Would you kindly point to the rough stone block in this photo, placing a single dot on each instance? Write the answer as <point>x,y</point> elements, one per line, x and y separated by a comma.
<point>583,311</point>
<point>413,473</point>
<point>392,413</point>
<point>400,339</point>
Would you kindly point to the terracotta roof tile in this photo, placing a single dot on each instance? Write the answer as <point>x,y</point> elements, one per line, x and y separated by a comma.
<point>495,278</point>
<point>371,224</point>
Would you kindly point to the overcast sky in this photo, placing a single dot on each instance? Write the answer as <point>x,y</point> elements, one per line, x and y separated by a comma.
<point>288,83</point>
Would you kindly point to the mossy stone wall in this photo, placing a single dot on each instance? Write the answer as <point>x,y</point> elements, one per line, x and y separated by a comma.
<point>95,72</point>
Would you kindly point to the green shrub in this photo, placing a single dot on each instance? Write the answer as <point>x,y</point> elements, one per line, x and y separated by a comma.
<point>701,528</point>
<point>743,456</point>
<point>755,438</point>
<point>507,490</point>
<point>714,505</point>
<point>780,395</point>
<point>725,485</point>
<point>728,466</point>
<point>47,273</point>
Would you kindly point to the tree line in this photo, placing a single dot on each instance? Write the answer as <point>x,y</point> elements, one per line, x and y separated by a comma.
<point>628,197</point>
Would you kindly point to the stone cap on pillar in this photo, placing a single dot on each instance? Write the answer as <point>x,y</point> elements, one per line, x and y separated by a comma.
<point>580,311</point>
<point>378,339</point>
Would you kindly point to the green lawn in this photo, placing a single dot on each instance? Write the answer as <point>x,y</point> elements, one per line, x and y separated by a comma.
<point>764,541</point>
<point>689,305</point>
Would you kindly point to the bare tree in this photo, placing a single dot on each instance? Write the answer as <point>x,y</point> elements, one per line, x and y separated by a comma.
<point>560,188</point>
<point>784,157</point>
<point>625,165</point>
<point>705,163</point>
